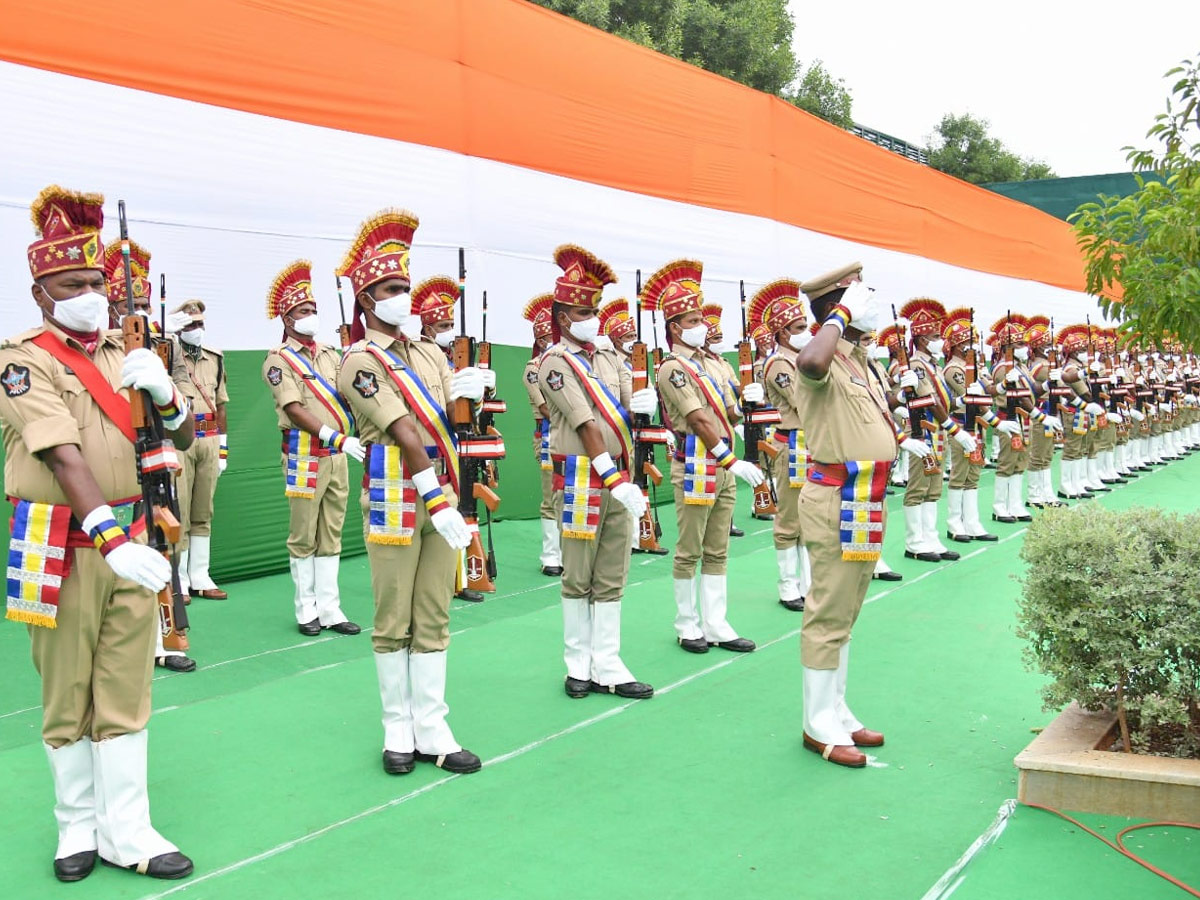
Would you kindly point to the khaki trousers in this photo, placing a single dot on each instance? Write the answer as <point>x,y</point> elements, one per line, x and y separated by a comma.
<point>1012,462</point>
<point>921,488</point>
<point>598,569</point>
<point>195,484</point>
<point>412,586</point>
<point>838,587</point>
<point>787,503</point>
<point>551,500</point>
<point>963,475</point>
<point>315,526</point>
<point>1072,442</point>
<point>1106,437</point>
<point>703,530</point>
<point>97,664</point>
<point>1041,448</point>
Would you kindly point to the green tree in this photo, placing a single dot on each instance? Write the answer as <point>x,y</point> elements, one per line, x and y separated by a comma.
<point>1148,243</point>
<point>963,148</point>
<point>749,41</point>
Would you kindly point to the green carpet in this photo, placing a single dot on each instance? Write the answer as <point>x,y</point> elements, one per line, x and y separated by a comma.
<point>265,762</point>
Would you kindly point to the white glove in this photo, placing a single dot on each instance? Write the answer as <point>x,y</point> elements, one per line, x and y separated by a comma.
<point>919,449</point>
<point>909,379</point>
<point>740,430</point>
<point>448,522</point>
<point>748,472</point>
<point>1056,376</point>
<point>222,465</point>
<point>137,562</point>
<point>671,443</point>
<point>864,309</point>
<point>1096,366</point>
<point>1140,381</point>
<point>644,402</point>
<point>630,496</point>
<point>1119,372</point>
<point>1094,409</point>
<point>354,447</point>
<point>900,412</point>
<point>177,321</point>
<point>489,379</point>
<point>1137,416</point>
<point>1116,417</point>
<point>976,390</point>
<point>1165,407</point>
<point>753,392</point>
<point>1171,376</point>
<point>467,383</point>
<point>966,440</point>
<point>1008,427</point>
<point>1054,422</point>
<point>1013,377</point>
<point>144,371</point>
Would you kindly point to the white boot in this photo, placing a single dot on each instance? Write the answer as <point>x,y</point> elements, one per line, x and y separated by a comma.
<point>970,508</point>
<point>551,546</point>
<point>607,667</point>
<point>329,603</point>
<point>1016,499</point>
<point>822,720</point>
<point>787,560</point>
<point>914,531</point>
<point>427,675</point>
<point>74,797</point>
<point>395,696</point>
<point>713,604</point>
<point>185,585</point>
<point>577,637</point>
<point>956,527</point>
<point>124,834</point>
<point>199,547</point>
<point>881,568</point>
<point>687,620</point>
<point>1092,479</point>
<point>304,577</point>
<point>929,528</point>
<point>849,721</point>
<point>1000,498</point>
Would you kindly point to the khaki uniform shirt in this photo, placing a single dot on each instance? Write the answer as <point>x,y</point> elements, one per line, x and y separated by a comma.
<point>533,387</point>
<point>679,393</point>
<point>843,414</point>
<point>780,383</point>
<point>44,405</point>
<point>203,380</point>
<point>571,406</point>
<point>288,387</point>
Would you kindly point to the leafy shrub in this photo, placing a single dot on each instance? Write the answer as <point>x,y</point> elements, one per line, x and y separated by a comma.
<point>1110,607</point>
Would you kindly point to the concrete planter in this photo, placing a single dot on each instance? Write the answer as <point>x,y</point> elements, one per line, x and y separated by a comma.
<point>1065,769</point>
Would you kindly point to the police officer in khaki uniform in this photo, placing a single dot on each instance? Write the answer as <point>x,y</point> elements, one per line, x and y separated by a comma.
<point>1013,387</point>
<point>714,347</point>
<point>777,306</point>
<point>696,401</point>
<point>315,424</point>
<point>71,470</point>
<point>203,383</point>
<point>877,357</point>
<point>588,392</point>
<point>398,390</point>
<point>852,441</point>
<point>537,313</point>
<point>1076,411</point>
<point>1041,440</point>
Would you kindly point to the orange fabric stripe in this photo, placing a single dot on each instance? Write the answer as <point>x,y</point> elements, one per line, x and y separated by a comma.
<point>511,81</point>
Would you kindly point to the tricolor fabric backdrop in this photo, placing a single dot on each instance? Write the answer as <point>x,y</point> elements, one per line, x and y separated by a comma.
<point>244,135</point>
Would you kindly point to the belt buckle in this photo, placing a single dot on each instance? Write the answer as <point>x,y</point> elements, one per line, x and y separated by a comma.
<point>123,513</point>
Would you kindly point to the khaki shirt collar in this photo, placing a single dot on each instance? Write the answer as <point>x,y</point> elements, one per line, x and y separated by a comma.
<point>108,336</point>
<point>383,339</point>
<point>299,347</point>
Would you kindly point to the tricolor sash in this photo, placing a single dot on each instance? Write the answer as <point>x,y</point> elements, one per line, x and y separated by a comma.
<point>863,485</point>
<point>303,457</point>
<point>797,459</point>
<point>426,409</point>
<point>699,473</point>
<point>543,432</point>
<point>37,561</point>
<point>325,393</point>
<point>392,516</point>
<point>581,500</point>
<point>711,394</point>
<point>609,406</point>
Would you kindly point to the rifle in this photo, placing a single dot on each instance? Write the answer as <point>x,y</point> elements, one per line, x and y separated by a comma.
<point>930,462</point>
<point>156,460</point>
<point>657,356</point>
<point>344,328</point>
<point>163,347</point>
<point>1016,441</point>
<point>764,500</point>
<point>646,436</point>
<point>474,448</point>
<point>488,410</point>
<point>971,403</point>
<point>1094,385</point>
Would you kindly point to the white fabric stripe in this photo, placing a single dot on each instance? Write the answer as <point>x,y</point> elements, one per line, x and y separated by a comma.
<point>224,199</point>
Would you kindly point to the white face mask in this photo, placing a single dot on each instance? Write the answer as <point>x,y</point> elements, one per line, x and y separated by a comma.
<point>880,352</point>
<point>585,330</point>
<point>936,347</point>
<point>307,325</point>
<point>695,336</point>
<point>1142,358</point>
<point>627,347</point>
<point>85,313</point>
<point>193,337</point>
<point>395,310</point>
<point>444,338</point>
<point>411,328</point>
<point>801,340</point>
<point>1082,357</point>
<point>1021,353</point>
<point>717,347</point>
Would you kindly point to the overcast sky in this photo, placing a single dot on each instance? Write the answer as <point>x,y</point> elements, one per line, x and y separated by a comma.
<point>1039,72</point>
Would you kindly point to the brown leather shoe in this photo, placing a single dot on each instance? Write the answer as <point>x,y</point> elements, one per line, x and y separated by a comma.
<point>210,594</point>
<point>841,754</point>
<point>865,737</point>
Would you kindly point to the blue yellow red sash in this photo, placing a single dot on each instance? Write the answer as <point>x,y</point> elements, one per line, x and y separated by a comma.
<point>609,406</point>
<point>699,473</point>
<point>38,562</point>
<point>303,452</point>
<point>325,393</point>
<point>863,485</point>
<point>543,433</point>
<point>581,499</point>
<point>392,516</point>
<point>797,459</point>
<point>711,394</point>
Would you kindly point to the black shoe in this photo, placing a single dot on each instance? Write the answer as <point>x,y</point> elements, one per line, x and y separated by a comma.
<point>397,763</point>
<point>694,645</point>
<point>75,867</point>
<point>460,762</point>
<point>887,576</point>
<point>1086,495</point>
<point>1007,520</point>
<point>470,596</point>
<point>762,517</point>
<point>984,537</point>
<point>793,605</point>
<point>737,645</point>
<point>1025,518</point>
<point>734,531</point>
<point>923,556</point>
<point>343,628</point>
<point>632,690</point>
<point>176,663</point>
<point>949,556</point>
<point>165,865</point>
<point>1109,481</point>
<point>961,538</point>
<point>310,628</point>
<point>576,687</point>
<point>556,571</point>
<point>1037,505</point>
<point>1099,490</point>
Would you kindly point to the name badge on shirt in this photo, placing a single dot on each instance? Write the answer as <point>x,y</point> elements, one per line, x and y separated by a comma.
<point>856,380</point>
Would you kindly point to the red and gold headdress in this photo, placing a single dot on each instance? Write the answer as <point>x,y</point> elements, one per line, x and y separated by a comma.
<point>537,312</point>
<point>1072,338</point>
<point>381,249</point>
<point>711,313</point>
<point>891,337</point>
<point>925,315</point>
<point>1037,331</point>
<point>69,223</point>
<point>776,306</point>
<point>674,289</point>
<point>1008,330</point>
<point>114,271</point>
<point>290,288</point>
<point>763,337</point>
<point>583,279</point>
<point>615,321</point>
<point>434,298</point>
<point>957,328</point>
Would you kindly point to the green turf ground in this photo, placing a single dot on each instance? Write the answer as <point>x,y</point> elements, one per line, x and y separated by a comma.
<point>265,762</point>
